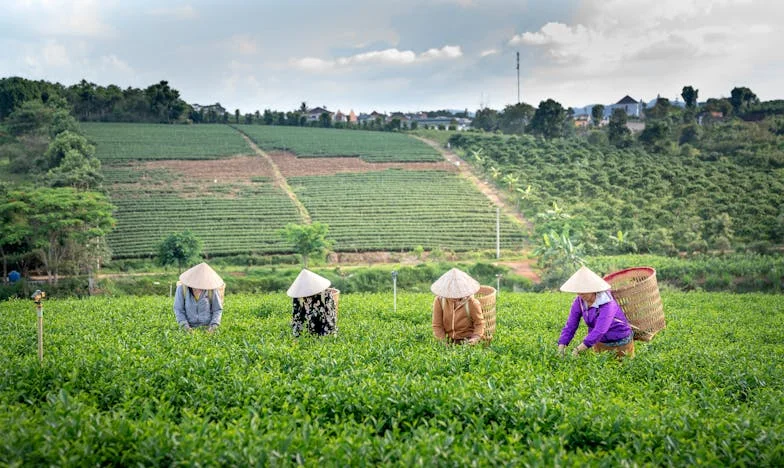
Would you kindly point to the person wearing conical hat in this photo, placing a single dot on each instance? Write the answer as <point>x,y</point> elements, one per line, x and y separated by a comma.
<point>457,314</point>
<point>197,301</point>
<point>314,304</point>
<point>608,328</point>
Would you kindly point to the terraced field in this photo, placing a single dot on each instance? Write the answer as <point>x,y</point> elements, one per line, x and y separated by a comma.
<point>319,142</point>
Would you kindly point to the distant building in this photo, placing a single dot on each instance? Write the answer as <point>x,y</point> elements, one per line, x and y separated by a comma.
<point>582,121</point>
<point>313,115</point>
<point>352,117</point>
<point>627,104</point>
<point>340,117</point>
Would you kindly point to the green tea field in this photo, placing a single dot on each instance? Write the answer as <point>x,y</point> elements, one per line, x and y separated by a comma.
<point>121,385</point>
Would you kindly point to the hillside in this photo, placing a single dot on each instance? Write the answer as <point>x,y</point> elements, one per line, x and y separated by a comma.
<point>376,191</point>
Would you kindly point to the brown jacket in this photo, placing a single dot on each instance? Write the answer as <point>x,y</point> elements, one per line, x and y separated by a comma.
<point>452,320</point>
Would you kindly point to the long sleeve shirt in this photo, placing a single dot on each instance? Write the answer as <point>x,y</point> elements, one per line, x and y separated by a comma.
<point>199,312</point>
<point>452,320</point>
<point>601,322</point>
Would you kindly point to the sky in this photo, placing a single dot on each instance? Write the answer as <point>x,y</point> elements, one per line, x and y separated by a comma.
<point>401,55</point>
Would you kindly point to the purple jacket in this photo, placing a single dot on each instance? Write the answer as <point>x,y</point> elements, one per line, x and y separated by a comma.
<point>601,322</point>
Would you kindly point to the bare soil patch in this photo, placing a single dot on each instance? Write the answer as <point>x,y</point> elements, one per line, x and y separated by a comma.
<point>236,169</point>
<point>292,166</point>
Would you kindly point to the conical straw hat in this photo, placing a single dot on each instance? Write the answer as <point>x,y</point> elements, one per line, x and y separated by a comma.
<point>307,284</point>
<point>454,284</point>
<point>585,281</point>
<point>201,277</point>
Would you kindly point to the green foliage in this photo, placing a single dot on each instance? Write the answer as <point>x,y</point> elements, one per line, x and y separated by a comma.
<point>315,142</point>
<point>516,117</point>
<point>549,119</point>
<point>597,114</point>
<point>121,142</point>
<point>120,385</point>
<point>400,209</point>
<point>36,118</point>
<point>64,143</point>
<point>308,239</point>
<point>617,132</point>
<point>690,96</point>
<point>742,98</point>
<point>181,249</point>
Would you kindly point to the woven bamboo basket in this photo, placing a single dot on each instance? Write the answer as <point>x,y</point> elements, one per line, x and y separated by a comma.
<point>335,293</point>
<point>637,292</point>
<point>486,297</point>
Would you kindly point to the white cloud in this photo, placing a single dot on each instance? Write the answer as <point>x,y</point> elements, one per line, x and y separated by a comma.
<point>55,55</point>
<point>378,57</point>
<point>76,18</point>
<point>112,63</point>
<point>488,52</point>
<point>185,12</point>
<point>243,44</point>
<point>655,45</point>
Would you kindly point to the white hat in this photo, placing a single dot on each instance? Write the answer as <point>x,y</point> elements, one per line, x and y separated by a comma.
<point>454,284</point>
<point>201,277</point>
<point>585,281</point>
<point>307,284</point>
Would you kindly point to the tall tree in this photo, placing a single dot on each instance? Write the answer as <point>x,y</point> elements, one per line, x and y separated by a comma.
<point>165,102</point>
<point>660,110</point>
<point>741,98</point>
<point>62,217</point>
<point>515,118</point>
<point>180,248</point>
<point>689,95</point>
<point>549,119</point>
<point>486,119</point>
<point>617,132</point>
<point>15,228</point>
<point>597,114</point>
<point>307,239</point>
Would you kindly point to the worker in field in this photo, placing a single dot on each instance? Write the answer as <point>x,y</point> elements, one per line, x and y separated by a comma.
<point>198,301</point>
<point>457,315</point>
<point>314,303</point>
<point>608,328</point>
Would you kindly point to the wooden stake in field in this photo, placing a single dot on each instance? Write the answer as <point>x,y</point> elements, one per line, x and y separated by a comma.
<point>38,296</point>
<point>394,289</point>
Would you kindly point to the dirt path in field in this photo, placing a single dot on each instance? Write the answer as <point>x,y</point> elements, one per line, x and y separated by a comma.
<point>278,178</point>
<point>490,192</point>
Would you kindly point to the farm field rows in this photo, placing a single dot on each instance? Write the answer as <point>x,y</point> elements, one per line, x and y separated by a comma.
<point>125,141</point>
<point>121,385</point>
<point>317,142</point>
<point>394,210</point>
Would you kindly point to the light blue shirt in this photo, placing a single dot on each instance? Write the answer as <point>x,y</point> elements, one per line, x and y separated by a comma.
<point>197,313</point>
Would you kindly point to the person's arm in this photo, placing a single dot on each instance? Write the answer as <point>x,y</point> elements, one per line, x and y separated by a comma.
<point>603,321</point>
<point>179,307</point>
<point>478,319</point>
<point>438,319</point>
<point>569,329</point>
<point>216,310</point>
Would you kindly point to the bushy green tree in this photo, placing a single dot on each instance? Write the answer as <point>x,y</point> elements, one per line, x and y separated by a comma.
<point>308,239</point>
<point>597,114</point>
<point>180,248</point>
<point>617,132</point>
<point>689,95</point>
<point>549,119</point>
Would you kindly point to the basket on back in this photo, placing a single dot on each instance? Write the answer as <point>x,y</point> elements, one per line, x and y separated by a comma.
<point>486,297</point>
<point>637,292</point>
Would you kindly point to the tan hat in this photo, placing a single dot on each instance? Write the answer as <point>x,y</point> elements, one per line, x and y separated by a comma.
<point>454,284</point>
<point>307,284</point>
<point>201,277</point>
<point>585,281</point>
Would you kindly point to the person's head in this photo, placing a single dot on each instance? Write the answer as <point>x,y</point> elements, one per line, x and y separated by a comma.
<point>201,278</point>
<point>307,284</point>
<point>586,284</point>
<point>455,284</point>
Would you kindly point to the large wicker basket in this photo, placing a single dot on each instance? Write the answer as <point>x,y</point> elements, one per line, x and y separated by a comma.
<point>335,293</point>
<point>486,297</point>
<point>637,292</point>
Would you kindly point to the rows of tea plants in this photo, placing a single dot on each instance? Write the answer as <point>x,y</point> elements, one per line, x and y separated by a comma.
<point>400,210</point>
<point>740,272</point>
<point>227,219</point>
<point>316,142</point>
<point>121,385</point>
<point>129,141</point>
<point>662,202</point>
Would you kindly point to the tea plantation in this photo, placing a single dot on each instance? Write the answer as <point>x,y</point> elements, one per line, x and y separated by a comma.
<point>121,385</point>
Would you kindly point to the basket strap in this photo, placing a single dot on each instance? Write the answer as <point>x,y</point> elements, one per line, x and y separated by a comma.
<point>630,324</point>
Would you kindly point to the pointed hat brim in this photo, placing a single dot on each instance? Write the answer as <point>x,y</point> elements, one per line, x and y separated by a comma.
<point>585,281</point>
<point>307,284</point>
<point>454,284</point>
<point>202,276</point>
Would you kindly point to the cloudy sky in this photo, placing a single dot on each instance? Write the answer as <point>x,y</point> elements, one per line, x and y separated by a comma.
<point>403,54</point>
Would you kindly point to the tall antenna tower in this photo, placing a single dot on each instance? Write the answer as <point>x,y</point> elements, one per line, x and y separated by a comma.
<point>518,77</point>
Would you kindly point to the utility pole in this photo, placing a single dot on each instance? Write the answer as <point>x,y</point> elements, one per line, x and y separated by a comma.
<point>518,77</point>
